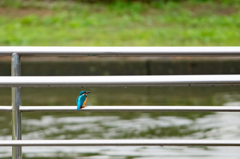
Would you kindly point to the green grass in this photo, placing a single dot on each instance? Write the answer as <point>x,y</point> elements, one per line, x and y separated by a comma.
<point>188,23</point>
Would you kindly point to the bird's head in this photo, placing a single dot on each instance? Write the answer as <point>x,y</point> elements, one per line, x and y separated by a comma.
<point>83,92</point>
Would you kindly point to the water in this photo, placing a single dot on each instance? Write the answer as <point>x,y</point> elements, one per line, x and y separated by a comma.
<point>126,125</point>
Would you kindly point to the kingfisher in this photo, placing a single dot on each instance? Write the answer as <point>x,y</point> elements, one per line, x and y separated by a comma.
<point>82,99</point>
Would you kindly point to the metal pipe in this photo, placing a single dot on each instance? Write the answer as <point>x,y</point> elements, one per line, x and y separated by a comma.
<point>120,142</point>
<point>83,81</point>
<point>120,51</point>
<point>16,102</point>
<point>5,108</point>
<point>123,108</point>
<point>129,108</point>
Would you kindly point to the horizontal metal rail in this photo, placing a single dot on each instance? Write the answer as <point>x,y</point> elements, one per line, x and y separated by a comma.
<point>120,142</point>
<point>124,108</point>
<point>82,81</point>
<point>129,108</point>
<point>120,51</point>
<point>5,108</point>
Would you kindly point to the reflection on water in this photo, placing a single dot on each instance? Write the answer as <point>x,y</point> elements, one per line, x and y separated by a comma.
<point>127,125</point>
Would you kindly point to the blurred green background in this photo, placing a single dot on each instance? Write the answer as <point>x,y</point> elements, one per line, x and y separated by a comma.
<point>120,23</point>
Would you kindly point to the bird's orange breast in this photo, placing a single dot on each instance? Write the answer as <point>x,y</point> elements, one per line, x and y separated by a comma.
<point>85,102</point>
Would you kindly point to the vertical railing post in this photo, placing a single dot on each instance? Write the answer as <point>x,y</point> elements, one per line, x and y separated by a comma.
<point>16,102</point>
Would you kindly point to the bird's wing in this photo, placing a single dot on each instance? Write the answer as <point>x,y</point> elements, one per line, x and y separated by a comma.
<point>80,101</point>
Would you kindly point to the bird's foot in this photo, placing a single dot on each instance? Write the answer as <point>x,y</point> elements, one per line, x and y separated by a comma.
<point>83,106</point>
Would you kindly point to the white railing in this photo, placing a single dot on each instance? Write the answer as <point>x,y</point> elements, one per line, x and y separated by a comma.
<point>124,108</point>
<point>121,51</point>
<point>83,81</point>
<point>86,81</point>
<point>152,142</point>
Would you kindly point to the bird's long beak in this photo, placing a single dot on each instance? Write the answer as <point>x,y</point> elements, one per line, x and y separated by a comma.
<point>88,92</point>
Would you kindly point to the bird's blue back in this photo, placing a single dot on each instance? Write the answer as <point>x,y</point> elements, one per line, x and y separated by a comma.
<point>80,101</point>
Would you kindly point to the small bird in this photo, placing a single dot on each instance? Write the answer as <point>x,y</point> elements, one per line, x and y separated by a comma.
<point>82,99</point>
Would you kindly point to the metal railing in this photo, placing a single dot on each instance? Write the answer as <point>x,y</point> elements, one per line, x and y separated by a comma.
<point>123,108</point>
<point>154,142</point>
<point>121,51</point>
<point>86,81</point>
<point>15,81</point>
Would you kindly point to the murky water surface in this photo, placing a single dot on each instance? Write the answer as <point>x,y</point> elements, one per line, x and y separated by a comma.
<point>126,125</point>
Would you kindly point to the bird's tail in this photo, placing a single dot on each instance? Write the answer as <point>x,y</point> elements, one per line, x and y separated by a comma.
<point>78,107</point>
